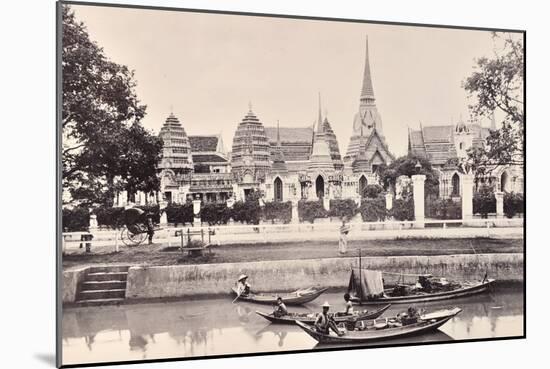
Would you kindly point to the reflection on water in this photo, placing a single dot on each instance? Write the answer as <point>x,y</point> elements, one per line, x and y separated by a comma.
<point>218,327</point>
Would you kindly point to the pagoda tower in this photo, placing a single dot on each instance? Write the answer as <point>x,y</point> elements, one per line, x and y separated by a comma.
<point>176,150</point>
<point>250,151</point>
<point>367,120</point>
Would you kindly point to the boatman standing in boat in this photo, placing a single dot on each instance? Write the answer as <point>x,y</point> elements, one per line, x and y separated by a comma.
<point>324,322</point>
<point>280,308</point>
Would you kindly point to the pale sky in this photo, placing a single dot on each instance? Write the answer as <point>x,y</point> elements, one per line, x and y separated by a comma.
<point>208,67</point>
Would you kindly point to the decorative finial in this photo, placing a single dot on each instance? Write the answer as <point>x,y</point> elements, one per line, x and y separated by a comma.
<point>250,106</point>
<point>278,135</point>
<point>320,118</point>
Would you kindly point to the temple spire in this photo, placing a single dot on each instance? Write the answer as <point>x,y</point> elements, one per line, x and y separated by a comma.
<point>367,92</point>
<point>320,117</point>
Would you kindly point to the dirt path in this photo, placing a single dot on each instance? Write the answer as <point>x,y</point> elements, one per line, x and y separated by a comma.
<point>157,254</point>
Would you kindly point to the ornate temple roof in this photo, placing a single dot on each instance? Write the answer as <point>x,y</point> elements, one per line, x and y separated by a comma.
<point>436,143</point>
<point>176,152</point>
<point>320,159</point>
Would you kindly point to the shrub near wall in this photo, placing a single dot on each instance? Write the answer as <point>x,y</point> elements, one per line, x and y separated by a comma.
<point>248,211</point>
<point>75,220</point>
<point>484,201</point>
<point>112,217</point>
<point>309,210</point>
<point>373,210</point>
<point>278,211</point>
<point>444,209</point>
<point>213,213</point>
<point>403,209</point>
<point>179,213</point>
<point>343,208</point>
<point>514,203</point>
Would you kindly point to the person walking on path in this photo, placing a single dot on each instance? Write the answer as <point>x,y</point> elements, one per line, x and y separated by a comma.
<point>150,227</point>
<point>343,240</point>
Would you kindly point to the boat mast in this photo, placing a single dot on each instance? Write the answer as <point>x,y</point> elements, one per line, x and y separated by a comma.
<point>360,278</point>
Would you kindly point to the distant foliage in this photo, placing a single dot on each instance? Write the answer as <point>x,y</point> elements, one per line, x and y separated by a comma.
<point>484,201</point>
<point>403,209</point>
<point>179,213</point>
<point>154,209</point>
<point>514,203</point>
<point>343,208</point>
<point>213,213</point>
<point>308,211</point>
<point>373,210</point>
<point>278,211</point>
<point>112,217</point>
<point>373,190</point>
<point>444,209</point>
<point>76,219</point>
<point>248,211</point>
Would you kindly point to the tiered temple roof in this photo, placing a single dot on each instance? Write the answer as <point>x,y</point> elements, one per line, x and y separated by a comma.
<point>250,148</point>
<point>176,152</point>
<point>320,159</point>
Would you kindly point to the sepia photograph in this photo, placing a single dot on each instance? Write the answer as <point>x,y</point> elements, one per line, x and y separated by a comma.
<point>235,184</point>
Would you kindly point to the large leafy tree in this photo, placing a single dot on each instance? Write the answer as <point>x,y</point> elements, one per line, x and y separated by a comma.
<point>406,165</point>
<point>105,148</point>
<point>497,85</point>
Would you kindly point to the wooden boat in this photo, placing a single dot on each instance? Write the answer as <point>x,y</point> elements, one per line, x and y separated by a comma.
<point>306,318</point>
<point>382,329</point>
<point>297,297</point>
<point>369,291</point>
<point>466,289</point>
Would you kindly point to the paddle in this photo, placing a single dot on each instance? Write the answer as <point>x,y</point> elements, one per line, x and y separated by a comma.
<point>238,295</point>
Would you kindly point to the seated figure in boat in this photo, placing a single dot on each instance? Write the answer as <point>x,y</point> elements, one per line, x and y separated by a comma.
<point>280,309</point>
<point>243,287</point>
<point>348,307</point>
<point>410,317</point>
<point>324,322</point>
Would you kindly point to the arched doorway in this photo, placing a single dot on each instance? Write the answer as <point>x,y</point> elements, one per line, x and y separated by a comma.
<point>363,186</point>
<point>455,182</point>
<point>504,182</point>
<point>278,186</point>
<point>320,187</point>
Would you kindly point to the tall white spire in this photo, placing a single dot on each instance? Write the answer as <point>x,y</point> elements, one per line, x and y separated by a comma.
<point>367,92</point>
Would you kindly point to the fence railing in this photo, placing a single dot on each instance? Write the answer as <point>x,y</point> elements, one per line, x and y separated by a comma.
<point>261,233</point>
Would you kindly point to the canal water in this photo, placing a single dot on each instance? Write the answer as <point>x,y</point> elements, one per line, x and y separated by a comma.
<point>218,327</point>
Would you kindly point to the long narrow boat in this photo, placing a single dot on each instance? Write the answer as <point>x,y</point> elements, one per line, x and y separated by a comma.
<point>297,297</point>
<point>306,318</point>
<point>466,289</point>
<point>378,332</point>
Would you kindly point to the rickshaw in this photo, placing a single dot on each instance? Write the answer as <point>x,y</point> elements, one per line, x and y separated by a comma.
<point>135,230</point>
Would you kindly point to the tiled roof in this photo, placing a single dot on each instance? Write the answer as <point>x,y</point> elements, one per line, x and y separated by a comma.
<point>436,144</point>
<point>203,143</point>
<point>290,134</point>
<point>208,158</point>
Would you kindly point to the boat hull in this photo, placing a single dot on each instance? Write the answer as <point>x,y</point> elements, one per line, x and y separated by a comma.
<point>294,298</point>
<point>291,319</point>
<point>353,337</point>
<point>461,292</point>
